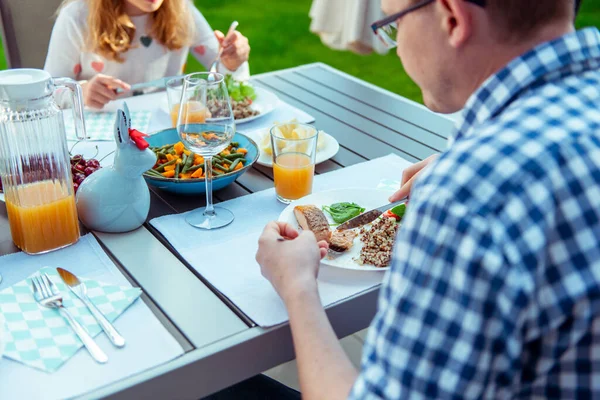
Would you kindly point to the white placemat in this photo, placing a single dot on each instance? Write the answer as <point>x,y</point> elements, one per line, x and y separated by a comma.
<point>148,342</point>
<point>225,257</point>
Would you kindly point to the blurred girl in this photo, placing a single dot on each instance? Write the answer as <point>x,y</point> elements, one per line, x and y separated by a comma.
<point>110,44</point>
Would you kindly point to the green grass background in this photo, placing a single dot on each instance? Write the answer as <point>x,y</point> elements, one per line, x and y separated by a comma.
<point>279,36</point>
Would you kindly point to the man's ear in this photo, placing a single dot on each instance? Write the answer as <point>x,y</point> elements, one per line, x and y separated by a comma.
<point>457,21</point>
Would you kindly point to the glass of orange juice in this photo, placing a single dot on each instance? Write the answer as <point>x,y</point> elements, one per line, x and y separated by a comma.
<point>294,153</point>
<point>195,111</point>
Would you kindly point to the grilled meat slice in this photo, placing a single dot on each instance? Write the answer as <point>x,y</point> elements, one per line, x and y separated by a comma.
<point>312,218</point>
<point>341,241</point>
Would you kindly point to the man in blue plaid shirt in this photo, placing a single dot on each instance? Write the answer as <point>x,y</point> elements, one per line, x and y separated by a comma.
<point>494,290</point>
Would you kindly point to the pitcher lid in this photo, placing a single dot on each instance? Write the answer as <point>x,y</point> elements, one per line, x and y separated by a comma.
<point>24,84</point>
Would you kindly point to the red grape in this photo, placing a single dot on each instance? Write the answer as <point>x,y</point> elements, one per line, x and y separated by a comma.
<point>78,178</point>
<point>89,170</point>
<point>93,163</point>
<point>79,167</point>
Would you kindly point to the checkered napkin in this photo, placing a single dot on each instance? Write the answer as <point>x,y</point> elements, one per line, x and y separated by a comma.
<point>100,125</point>
<point>40,337</point>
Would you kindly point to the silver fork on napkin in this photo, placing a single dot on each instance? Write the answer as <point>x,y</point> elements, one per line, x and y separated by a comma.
<point>46,293</point>
<point>80,290</point>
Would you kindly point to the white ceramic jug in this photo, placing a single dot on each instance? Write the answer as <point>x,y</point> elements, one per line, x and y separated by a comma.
<point>117,198</point>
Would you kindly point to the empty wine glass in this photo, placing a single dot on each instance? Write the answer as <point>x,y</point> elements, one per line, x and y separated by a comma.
<point>205,125</point>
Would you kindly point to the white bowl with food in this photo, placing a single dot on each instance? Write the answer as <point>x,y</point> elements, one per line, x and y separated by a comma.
<point>354,248</point>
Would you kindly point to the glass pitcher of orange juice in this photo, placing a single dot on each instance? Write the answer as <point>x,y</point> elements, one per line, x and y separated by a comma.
<point>34,160</point>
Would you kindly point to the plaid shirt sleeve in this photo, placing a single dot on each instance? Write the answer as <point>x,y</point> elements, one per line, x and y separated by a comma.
<point>494,291</point>
<point>442,329</point>
<point>470,307</point>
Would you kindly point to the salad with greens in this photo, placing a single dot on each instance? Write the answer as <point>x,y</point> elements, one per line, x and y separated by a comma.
<point>342,212</point>
<point>241,94</point>
<point>239,91</point>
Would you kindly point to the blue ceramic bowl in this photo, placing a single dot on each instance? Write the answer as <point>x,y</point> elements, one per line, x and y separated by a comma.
<point>196,186</point>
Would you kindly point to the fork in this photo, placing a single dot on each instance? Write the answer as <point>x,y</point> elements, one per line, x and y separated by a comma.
<point>46,293</point>
<point>215,64</point>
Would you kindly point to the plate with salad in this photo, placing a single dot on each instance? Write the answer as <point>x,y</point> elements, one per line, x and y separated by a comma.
<point>247,101</point>
<point>367,248</point>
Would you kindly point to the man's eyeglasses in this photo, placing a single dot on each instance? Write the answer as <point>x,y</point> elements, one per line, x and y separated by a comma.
<point>387,28</point>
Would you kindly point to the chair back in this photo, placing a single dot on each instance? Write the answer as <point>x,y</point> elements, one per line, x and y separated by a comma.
<point>26,29</point>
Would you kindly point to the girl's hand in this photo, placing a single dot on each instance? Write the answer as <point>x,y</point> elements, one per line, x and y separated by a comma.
<point>101,89</point>
<point>235,49</point>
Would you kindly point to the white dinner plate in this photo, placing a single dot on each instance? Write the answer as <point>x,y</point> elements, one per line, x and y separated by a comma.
<point>367,198</point>
<point>329,150</point>
<point>265,102</point>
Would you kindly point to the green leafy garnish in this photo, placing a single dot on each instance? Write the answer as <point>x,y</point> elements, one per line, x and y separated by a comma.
<point>399,210</point>
<point>342,212</point>
<point>239,91</point>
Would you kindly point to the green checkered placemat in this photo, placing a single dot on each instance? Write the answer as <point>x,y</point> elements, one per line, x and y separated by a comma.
<point>101,125</point>
<point>40,337</point>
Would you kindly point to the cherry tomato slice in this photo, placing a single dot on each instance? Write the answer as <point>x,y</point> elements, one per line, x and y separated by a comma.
<point>390,214</point>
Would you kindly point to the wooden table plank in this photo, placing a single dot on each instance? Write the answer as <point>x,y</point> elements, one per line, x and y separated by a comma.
<point>385,101</point>
<point>231,192</point>
<point>327,166</point>
<point>374,131</point>
<point>408,132</point>
<point>346,157</point>
<point>255,181</point>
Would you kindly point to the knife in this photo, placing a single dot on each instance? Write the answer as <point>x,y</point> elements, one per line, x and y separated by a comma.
<point>79,289</point>
<point>368,216</point>
<point>161,83</point>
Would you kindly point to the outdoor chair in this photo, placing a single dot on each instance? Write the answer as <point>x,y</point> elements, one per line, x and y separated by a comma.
<point>26,29</point>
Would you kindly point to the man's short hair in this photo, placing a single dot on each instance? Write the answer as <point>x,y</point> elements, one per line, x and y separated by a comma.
<point>517,19</point>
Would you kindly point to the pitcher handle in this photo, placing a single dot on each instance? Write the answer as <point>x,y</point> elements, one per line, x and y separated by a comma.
<point>77,96</point>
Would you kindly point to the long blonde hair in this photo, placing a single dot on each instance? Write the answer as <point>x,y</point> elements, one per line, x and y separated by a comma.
<point>110,30</point>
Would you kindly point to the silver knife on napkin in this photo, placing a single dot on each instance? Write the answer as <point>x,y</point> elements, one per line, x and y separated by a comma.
<point>368,216</point>
<point>80,290</point>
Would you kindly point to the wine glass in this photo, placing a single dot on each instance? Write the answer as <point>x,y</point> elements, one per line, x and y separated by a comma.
<point>205,125</point>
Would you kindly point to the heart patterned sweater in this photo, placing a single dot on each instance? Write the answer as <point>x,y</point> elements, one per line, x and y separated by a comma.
<point>68,55</point>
